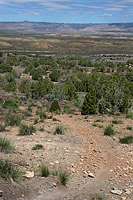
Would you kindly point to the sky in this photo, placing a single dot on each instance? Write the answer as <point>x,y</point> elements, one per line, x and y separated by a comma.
<point>67,11</point>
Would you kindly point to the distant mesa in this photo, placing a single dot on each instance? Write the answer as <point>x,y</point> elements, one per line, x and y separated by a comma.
<point>67,28</point>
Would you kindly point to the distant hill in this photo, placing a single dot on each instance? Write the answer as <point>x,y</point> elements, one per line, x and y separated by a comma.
<point>45,27</point>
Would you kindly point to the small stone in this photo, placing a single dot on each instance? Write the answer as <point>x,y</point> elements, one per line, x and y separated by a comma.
<point>117,192</point>
<point>1,193</point>
<point>91,175</point>
<point>127,191</point>
<point>123,198</point>
<point>54,184</point>
<point>73,170</point>
<point>29,174</point>
<point>56,162</point>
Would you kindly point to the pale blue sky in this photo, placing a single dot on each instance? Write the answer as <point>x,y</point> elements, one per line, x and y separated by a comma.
<point>66,11</point>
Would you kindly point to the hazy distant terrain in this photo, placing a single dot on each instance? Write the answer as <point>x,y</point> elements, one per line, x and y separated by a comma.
<point>45,27</point>
<point>66,43</point>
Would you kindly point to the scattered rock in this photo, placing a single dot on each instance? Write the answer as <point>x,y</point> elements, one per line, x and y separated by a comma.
<point>123,198</point>
<point>1,193</point>
<point>115,191</point>
<point>127,191</point>
<point>29,174</point>
<point>56,162</point>
<point>91,175</point>
<point>54,184</point>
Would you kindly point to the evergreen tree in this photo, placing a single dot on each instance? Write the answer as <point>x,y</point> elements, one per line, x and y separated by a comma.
<point>90,101</point>
<point>54,106</point>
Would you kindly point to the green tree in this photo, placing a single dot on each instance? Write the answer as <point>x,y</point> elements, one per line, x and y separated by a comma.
<point>90,102</point>
<point>55,106</point>
<point>54,76</point>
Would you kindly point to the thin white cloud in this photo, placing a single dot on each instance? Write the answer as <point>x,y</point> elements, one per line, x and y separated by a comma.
<point>90,6</point>
<point>106,15</point>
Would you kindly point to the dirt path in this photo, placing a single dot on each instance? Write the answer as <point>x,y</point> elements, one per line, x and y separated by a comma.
<point>82,150</point>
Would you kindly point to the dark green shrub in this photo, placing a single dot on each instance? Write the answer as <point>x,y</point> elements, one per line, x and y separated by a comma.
<point>37,146</point>
<point>5,145</point>
<point>10,104</point>
<point>59,130</point>
<point>54,119</point>
<point>109,130</point>
<point>5,68</point>
<point>44,170</point>
<point>55,106</point>
<point>54,76</point>
<point>89,105</point>
<point>129,128</point>
<point>10,87</point>
<point>117,121</point>
<point>9,170</point>
<point>126,140</point>
<point>26,130</point>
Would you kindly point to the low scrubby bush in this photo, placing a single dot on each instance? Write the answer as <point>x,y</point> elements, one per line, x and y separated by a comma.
<point>10,104</point>
<point>109,130</point>
<point>26,130</point>
<point>37,147</point>
<point>129,114</point>
<point>117,121</point>
<point>5,145</point>
<point>129,128</point>
<point>59,130</point>
<point>13,119</point>
<point>126,140</point>
<point>9,170</point>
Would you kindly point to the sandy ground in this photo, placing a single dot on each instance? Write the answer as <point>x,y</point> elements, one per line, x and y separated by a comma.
<point>82,149</point>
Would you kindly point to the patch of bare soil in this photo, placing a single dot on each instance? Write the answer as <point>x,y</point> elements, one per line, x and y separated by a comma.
<point>96,163</point>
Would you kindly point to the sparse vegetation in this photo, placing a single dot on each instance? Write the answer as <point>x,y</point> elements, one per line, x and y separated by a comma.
<point>59,130</point>
<point>117,121</point>
<point>64,177</point>
<point>9,170</point>
<point>97,197</point>
<point>44,170</point>
<point>129,128</point>
<point>5,145</point>
<point>35,87</point>
<point>13,119</point>
<point>37,147</point>
<point>129,114</point>
<point>109,130</point>
<point>26,130</point>
<point>126,140</point>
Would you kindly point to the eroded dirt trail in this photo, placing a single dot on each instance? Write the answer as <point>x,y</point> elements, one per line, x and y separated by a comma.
<point>82,150</point>
<point>98,156</point>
